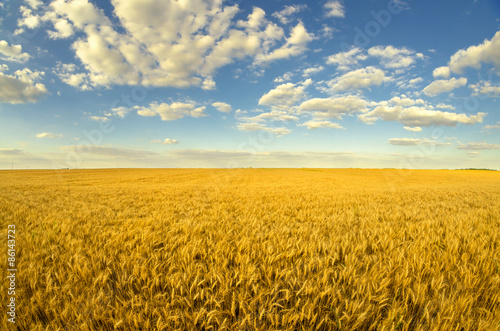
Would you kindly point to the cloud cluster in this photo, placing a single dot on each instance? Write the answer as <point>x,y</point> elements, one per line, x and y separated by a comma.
<point>334,8</point>
<point>22,86</point>
<point>171,112</point>
<point>485,87</point>
<point>478,146</point>
<point>12,53</point>
<point>222,106</point>
<point>334,107</point>
<point>418,116</point>
<point>357,79</point>
<point>443,85</point>
<point>395,58</point>
<point>389,57</point>
<point>49,135</point>
<point>167,141</point>
<point>475,56</point>
<point>285,15</point>
<point>284,96</point>
<point>163,43</point>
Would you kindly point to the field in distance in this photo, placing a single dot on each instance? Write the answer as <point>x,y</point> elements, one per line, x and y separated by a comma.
<point>253,249</point>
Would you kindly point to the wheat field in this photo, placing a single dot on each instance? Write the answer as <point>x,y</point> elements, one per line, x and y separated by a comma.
<point>253,249</point>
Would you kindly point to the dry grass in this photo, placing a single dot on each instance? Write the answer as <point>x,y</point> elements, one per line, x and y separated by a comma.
<point>254,249</point>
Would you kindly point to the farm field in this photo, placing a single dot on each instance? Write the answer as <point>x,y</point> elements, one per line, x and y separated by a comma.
<point>253,249</point>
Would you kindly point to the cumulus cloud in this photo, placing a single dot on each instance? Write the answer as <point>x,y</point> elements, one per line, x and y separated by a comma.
<point>442,85</point>
<point>69,74</point>
<point>419,116</point>
<point>222,106</point>
<point>395,58</point>
<point>478,146</point>
<point>256,126</point>
<point>315,124</point>
<point>166,43</point>
<point>49,135</point>
<point>284,96</point>
<point>413,129</point>
<point>345,60</point>
<point>284,78</point>
<point>357,79</point>
<point>267,122</point>
<point>415,141</point>
<point>12,53</point>
<point>171,112</point>
<point>441,72</point>
<point>334,8</point>
<point>285,15</point>
<point>475,56</point>
<point>99,118</point>
<point>334,107</point>
<point>21,87</point>
<point>167,141</point>
<point>485,87</point>
<point>119,111</point>
<point>295,45</point>
<point>444,106</point>
<point>492,126</point>
<point>312,70</point>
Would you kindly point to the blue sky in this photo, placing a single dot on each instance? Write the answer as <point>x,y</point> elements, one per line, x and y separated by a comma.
<point>129,83</point>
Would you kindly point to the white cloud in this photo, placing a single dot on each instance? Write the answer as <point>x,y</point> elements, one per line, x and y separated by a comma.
<point>284,15</point>
<point>334,107</point>
<point>441,72</point>
<point>167,141</point>
<point>485,87</point>
<point>119,111</point>
<point>69,75</point>
<point>357,79</point>
<point>478,146</point>
<point>63,29</point>
<point>256,126</point>
<point>474,56</point>
<point>312,70</point>
<point>295,45</point>
<point>171,112</point>
<point>222,106</point>
<point>441,86</point>
<point>334,8</point>
<point>49,135</point>
<point>315,124</point>
<point>21,87</point>
<point>414,129</point>
<point>166,43</point>
<point>415,81</point>
<point>394,58</point>
<point>284,96</point>
<point>419,116</point>
<point>445,106</point>
<point>99,118</point>
<point>345,60</point>
<point>494,126</point>
<point>12,53</point>
<point>284,78</point>
<point>267,122</point>
<point>415,141</point>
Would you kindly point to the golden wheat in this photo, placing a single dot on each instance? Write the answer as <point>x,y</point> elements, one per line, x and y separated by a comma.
<point>253,249</point>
